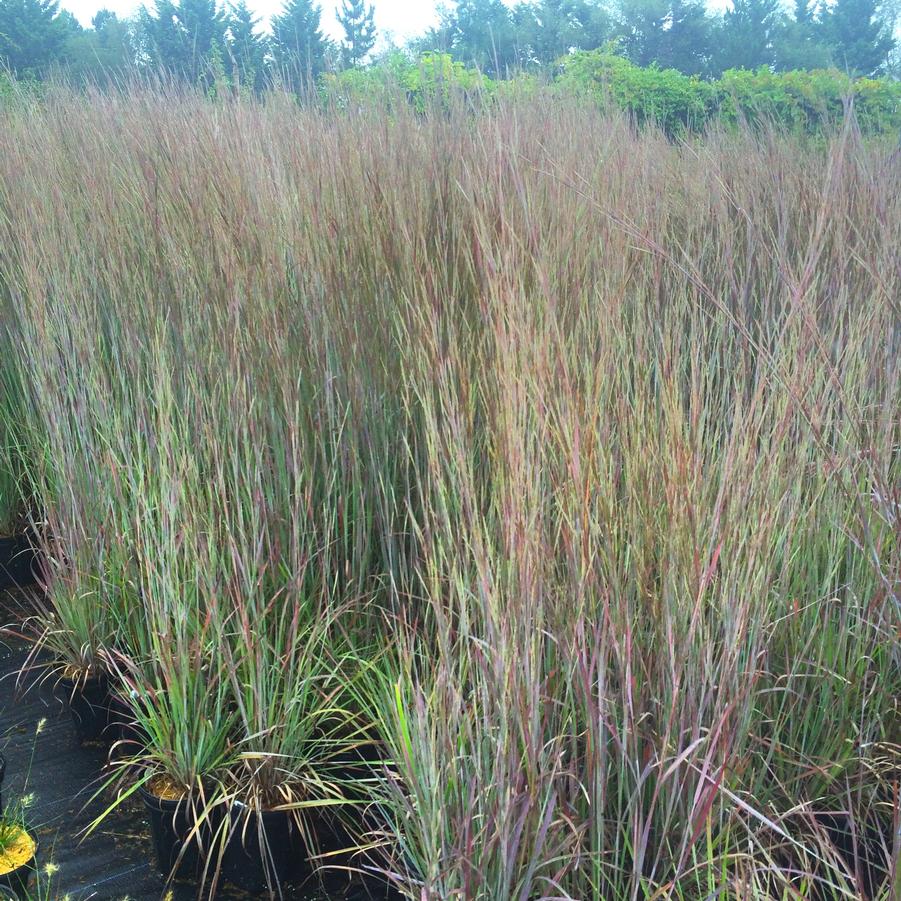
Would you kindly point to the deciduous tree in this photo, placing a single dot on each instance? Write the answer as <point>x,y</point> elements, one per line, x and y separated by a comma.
<point>32,35</point>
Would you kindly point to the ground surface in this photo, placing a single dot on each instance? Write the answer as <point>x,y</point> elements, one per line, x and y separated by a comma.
<point>116,862</point>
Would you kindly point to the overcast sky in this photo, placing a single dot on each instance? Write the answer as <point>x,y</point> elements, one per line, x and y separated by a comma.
<point>402,18</point>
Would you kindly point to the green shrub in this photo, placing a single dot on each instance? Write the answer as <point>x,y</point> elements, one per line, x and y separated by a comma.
<point>802,101</point>
<point>663,97</point>
<point>809,100</point>
<point>432,78</point>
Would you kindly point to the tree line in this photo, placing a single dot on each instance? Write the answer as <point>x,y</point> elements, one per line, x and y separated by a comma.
<point>204,40</point>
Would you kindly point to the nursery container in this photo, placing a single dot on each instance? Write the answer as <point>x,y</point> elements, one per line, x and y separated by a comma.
<point>19,875</point>
<point>124,727</point>
<point>860,847</point>
<point>18,561</point>
<point>175,840</point>
<point>250,857</point>
<point>90,706</point>
<point>355,764</point>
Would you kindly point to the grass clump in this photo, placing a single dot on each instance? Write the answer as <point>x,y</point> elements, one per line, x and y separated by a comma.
<point>516,487</point>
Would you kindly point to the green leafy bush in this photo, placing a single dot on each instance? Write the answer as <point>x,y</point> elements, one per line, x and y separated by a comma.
<point>432,78</point>
<point>803,101</point>
<point>809,100</point>
<point>664,97</point>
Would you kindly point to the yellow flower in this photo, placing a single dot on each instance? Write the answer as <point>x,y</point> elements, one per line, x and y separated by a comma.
<point>50,868</point>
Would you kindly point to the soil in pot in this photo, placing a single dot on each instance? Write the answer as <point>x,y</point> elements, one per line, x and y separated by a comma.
<point>264,850</point>
<point>17,862</point>
<point>90,707</point>
<point>172,825</point>
<point>18,561</point>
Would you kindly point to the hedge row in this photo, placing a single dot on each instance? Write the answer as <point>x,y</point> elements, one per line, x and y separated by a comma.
<point>801,100</point>
<point>807,101</point>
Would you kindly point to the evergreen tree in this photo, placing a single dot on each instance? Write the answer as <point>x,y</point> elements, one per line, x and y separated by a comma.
<point>673,34</point>
<point>747,34</point>
<point>687,45</point>
<point>70,23</point>
<point>181,36</point>
<point>549,29</point>
<point>438,38</point>
<point>297,41</point>
<point>103,19</point>
<point>32,35</point>
<point>859,35</point>
<point>159,35</point>
<point>480,33</point>
<point>799,42</point>
<point>358,21</point>
<point>805,13</point>
<point>247,48</point>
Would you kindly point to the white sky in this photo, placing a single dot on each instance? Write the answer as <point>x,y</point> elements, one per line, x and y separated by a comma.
<point>400,18</point>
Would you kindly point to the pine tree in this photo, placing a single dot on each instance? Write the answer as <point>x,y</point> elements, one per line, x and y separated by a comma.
<point>805,12</point>
<point>549,29</point>
<point>204,32</point>
<point>687,42</point>
<point>103,19</point>
<point>747,34</point>
<point>159,35</point>
<point>246,47</point>
<point>674,34</point>
<point>32,35</point>
<point>298,43</point>
<point>799,41</point>
<point>181,35</point>
<point>358,21</point>
<point>482,34</point>
<point>860,37</point>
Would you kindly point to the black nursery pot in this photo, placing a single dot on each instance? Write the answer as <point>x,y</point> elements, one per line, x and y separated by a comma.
<point>255,862</point>
<point>174,837</point>
<point>358,762</point>
<point>18,561</point>
<point>90,705</point>
<point>860,848</point>
<point>124,728</point>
